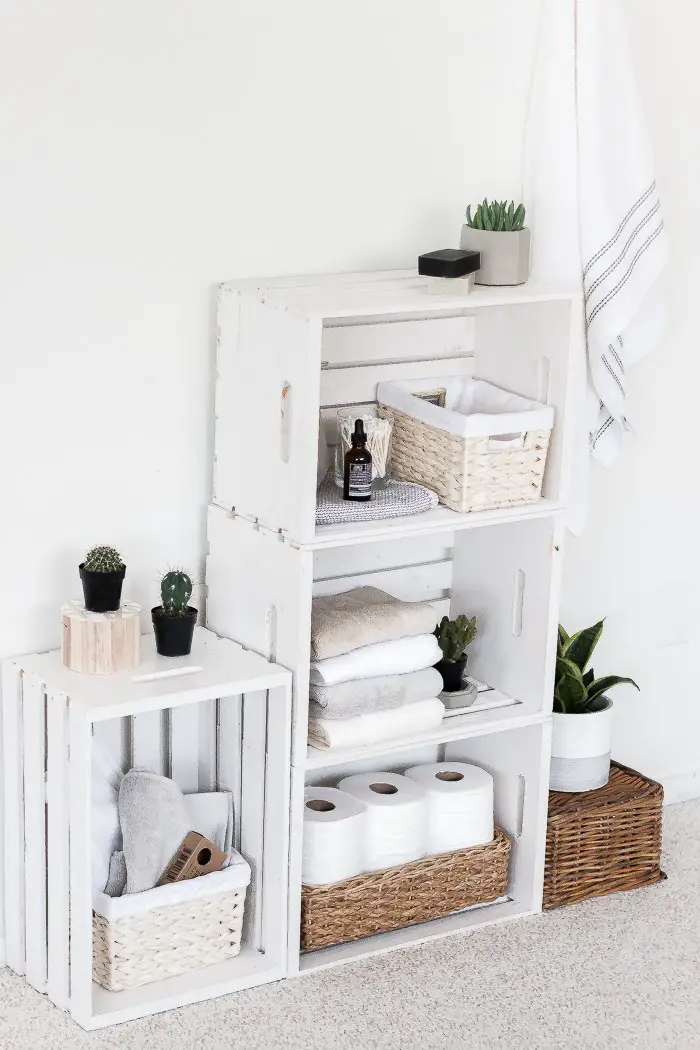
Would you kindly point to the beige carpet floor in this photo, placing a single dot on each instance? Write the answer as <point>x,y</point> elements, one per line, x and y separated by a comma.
<point>618,972</point>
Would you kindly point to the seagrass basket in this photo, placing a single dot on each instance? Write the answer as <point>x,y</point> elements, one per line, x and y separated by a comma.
<point>402,896</point>
<point>136,949</point>
<point>605,840</point>
<point>489,450</point>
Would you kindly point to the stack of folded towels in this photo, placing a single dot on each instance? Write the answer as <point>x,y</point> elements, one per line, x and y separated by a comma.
<point>372,675</point>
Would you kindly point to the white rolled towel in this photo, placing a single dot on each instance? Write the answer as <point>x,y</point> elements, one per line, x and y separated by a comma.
<point>397,657</point>
<point>376,726</point>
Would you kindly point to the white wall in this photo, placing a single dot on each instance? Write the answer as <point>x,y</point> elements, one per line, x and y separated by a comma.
<point>153,149</point>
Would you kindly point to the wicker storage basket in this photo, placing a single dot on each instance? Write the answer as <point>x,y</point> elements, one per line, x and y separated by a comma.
<point>410,893</point>
<point>135,949</point>
<point>491,455</point>
<point>604,840</point>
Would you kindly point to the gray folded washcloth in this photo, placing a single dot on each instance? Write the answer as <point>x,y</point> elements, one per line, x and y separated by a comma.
<point>154,820</point>
<point>117,875</point>
<point>364,616</point>
<point>373,694</point>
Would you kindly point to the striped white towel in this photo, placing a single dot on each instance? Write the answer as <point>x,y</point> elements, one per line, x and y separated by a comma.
<point>593,200</point>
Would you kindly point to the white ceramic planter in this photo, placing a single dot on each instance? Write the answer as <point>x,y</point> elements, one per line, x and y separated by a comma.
<point>505,257</point>
<point>581,749</point>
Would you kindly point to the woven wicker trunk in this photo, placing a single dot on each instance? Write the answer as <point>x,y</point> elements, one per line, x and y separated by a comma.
<point>468,474</point>
<point>417,892</point>
<point>166,941</point>
<point>605,840</point>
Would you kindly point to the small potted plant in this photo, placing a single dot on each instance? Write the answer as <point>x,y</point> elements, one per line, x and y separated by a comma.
<point>102,574</point>
<point>174,620</point>
<point>454,637</point>
<point>497,231</point>
<point>582,720</point>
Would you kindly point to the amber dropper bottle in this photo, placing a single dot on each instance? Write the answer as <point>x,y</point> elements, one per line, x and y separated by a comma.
<point>357,480</point>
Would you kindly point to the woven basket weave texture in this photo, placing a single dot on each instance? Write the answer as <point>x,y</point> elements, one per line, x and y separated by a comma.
<point>409,893</point>
<point>166,941</point>
<point>466,473</point>
<point>605,840</point>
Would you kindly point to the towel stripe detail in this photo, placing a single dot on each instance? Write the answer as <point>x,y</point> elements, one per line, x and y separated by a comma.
<point>630,270</point>
<point>616,236</point>
<point>640,226</point>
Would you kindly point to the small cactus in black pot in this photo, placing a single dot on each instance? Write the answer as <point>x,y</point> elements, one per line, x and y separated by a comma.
<point>174,620</point>
<point>102,574</point>
<point>454,637</point>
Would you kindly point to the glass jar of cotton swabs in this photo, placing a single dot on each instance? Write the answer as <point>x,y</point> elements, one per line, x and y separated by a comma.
<point>378,433</point>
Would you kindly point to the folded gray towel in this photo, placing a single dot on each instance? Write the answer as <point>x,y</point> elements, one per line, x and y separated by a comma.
<point>117,875</point>
<point>154,820</point>
<point>364,616</point>
<point>373,694</point>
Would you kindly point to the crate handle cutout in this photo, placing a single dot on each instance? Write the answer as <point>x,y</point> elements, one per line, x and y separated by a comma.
<point>286,422</point>
<point>520,806</point>
<point>543,367</point>
<point>176,672</point>
<point>518,597</point>
<point>271,633</point>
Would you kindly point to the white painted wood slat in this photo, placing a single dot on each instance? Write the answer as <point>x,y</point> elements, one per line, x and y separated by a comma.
<point>345,386</point>
<point>57,842</point>
<point>436,338</point>
<point>13,796</point>
<point>34,728</point>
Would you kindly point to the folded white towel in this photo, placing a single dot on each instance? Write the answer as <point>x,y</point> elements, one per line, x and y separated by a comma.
<point>348,699</point>
<point>375,727</point>
<point>398,657</point>
<point>364,616</point>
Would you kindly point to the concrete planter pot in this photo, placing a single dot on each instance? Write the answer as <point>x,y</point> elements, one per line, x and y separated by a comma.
<point>581,749</point>
<point>505,257</point>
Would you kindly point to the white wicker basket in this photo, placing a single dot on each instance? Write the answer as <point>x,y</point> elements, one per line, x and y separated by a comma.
<point>486,448</point>
<point>140,939</point>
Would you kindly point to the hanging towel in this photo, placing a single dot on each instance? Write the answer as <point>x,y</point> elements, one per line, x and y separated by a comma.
<point>375,727</point>
<point>398,657</point>
<point>373,694</point>
<point>594,209</point>
<point>364,616</point>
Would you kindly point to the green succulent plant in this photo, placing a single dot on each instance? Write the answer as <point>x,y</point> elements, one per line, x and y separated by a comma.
<point>577,689</point>
<point>175,592</point>
<point>498,216</point>
<point>454,636</point>
<point>103,559</point>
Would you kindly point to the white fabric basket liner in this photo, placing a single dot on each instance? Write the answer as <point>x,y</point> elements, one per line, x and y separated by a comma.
<point>235,876</point>
<point>473,408</point>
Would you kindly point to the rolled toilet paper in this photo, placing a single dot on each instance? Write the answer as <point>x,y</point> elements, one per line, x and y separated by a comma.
<point>459,802</point>
<point>396,822</point>
<point>334,830</point>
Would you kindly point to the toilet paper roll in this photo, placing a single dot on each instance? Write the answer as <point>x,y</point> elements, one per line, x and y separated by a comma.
<point>334,831</point>
<point>396,822</point>
<point>460,804</point>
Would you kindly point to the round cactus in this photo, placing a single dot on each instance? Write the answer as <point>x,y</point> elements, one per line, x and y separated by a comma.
<point>175,592</point>
<point>103,559</point>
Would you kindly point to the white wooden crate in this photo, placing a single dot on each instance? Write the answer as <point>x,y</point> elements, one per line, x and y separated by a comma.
<point>219,719</point>
<point>291,349</point>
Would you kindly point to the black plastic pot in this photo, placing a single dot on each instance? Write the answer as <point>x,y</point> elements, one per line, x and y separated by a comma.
<point>173,633</point>
<point>452,674</point>
<point>102,590</point>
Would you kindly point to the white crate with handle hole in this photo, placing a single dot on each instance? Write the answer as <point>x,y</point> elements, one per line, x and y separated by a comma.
<point>218,719</point>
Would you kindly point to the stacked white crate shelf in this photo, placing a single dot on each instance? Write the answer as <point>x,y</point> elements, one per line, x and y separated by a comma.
<point>289,349</point>
<point>219,719</point>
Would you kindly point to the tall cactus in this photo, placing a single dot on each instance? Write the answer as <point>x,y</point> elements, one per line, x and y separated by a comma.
<point>175,592</point>
<point>454,636</point>
<point>103,559</point>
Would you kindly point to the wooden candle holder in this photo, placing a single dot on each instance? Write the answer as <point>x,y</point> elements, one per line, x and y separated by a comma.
<point>101,643</point>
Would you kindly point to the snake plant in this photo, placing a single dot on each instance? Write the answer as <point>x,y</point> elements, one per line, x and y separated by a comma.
<point>577,689</point>
<point>498,216</point>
